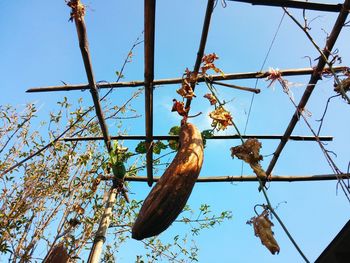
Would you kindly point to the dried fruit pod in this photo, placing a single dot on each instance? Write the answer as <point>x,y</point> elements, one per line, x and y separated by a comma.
<point>263,230</point>
<point>169,196</point>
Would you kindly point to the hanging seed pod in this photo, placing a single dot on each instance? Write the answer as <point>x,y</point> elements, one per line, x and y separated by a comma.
<point>169,196</point>
<point>263,229</point>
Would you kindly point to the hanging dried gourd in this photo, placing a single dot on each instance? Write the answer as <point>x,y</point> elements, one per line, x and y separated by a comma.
<point>169,196</point>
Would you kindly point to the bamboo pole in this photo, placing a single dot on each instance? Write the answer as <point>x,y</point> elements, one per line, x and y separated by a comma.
<point>100,236</point>
<point>216,137</point>
<point>149,29</point>
<point>171,81</point>
<point>78,12</point>
<point>316,75</point>
<point>295,4</point>
<point>256,91</point>
<point>200,53</point>
<point>251,178</point>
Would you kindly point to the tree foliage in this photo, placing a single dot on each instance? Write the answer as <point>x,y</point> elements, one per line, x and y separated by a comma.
<point>57,196</point>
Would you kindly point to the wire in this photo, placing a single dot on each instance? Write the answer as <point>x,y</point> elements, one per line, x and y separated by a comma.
<point>262,66</point>
<point>257,80</point>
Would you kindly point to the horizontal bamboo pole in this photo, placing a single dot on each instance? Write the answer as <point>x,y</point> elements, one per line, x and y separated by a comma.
<point>295,4</point>
<point>216,137</point>
<point>253,178</point>
<point>230,76</point>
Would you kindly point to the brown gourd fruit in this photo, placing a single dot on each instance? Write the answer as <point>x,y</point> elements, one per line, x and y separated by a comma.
<point>170,194</point>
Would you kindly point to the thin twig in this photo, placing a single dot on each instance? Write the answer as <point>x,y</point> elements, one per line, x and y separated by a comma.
<point>324,113</point>
<point>324,55</point>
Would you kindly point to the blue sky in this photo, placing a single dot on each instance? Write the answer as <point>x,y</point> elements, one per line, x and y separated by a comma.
<point>39,47</point>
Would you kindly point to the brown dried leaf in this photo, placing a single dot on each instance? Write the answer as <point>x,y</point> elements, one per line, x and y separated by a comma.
<point>211,98</point>
<point>179,107</point>
<point>345,84</point>
<point>221,118</point>
<point>95,183</point>
<point>208,63</point>
<point>78,209</point>
<point>78,10</point>
<point>186,90</point>
<point>263,230</point>
<point>250,153</point>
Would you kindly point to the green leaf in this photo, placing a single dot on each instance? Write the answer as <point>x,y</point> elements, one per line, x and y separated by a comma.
<point>158,147</point>
<point>175,130</point>
<point>119,170</point>
<point>173,144</point>
<point>205,135</point>
<point>119,74</point>
<point>141,147</point>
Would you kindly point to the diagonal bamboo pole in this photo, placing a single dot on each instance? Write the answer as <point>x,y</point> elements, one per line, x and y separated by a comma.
<point>295,4</point>
<point>78,11</point>
<point>316,75</point>
<point>200,53</point>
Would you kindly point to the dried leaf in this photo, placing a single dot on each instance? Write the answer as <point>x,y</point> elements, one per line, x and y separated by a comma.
<point>221,118</point>
<point>78,10</point>
<point>263,229</point>
<point>95,183</point>
<point>208,63</point>
<point>211,98</point>
<point>186,90</point>
<point>345,84</point>
<point>179,107</point>
<point>78,209</point>
<point>250,153</point>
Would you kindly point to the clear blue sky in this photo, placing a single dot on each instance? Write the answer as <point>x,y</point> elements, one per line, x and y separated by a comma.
<point>39,47</point>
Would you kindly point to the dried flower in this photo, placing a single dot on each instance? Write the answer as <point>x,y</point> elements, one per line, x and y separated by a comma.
<point>221,118</point>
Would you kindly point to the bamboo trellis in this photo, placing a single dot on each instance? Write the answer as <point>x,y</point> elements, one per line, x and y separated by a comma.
<point>149,83</point>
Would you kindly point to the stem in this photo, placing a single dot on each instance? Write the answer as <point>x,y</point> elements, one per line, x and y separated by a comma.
<point>210,87</point>
<point>280,222</point>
